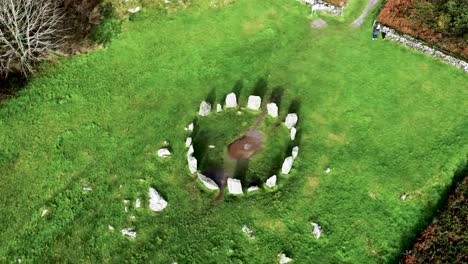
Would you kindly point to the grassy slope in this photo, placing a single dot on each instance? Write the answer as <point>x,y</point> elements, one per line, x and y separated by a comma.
<point>386,119</point>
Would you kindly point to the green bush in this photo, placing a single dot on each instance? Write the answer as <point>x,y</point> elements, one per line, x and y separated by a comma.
<point>109,27</point>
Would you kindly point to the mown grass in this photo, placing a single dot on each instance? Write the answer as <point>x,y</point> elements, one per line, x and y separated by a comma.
<point>384,118</point>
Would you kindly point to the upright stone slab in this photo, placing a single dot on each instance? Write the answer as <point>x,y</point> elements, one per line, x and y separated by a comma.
<point>231,100</point>
<point>254,102</point>
<point>272,109</point>
<point>316,230</point>
<point>192,164</point>
<point>295,151</point>
<point>234,186</point>
<point>293,133</point>
<point>209,183</point>
<point>219,108</point>
<point>205,108</point>
<point>188,142</point>
<point>271,182</point>
<point>287,165</point>
<point>156,203</point>
<point>291,120</point>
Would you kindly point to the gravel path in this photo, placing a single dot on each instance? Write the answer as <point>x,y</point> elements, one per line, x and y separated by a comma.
<point>364,13</point>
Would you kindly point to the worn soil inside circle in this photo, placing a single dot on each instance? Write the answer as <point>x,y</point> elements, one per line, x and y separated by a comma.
<point>246,146</point>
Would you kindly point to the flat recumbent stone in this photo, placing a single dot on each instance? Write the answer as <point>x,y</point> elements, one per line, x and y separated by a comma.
<point>209,183</point>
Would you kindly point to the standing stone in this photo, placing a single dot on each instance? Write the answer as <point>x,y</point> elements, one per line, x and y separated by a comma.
<point>328,170</point>
<point>287,165</point>
<point>234,186</point>
<point>190,151</point>
<point>293,133</point>
<point>205,108</point>
<point>254,102</point>
<point>271,182</point>
<point>252,188</point>
<point>44,212</point>
<point>295,151</point>
<point>164,152</point>
<point>192,164</point>
<point>291,120</point>
<point>156,203</point>
<point>316,230</point>
<point>231,100</point>
<point>272,109</point>
<point>189,127</point>
<point>283,259</point>
<point>137,203</point>
<point>188,142</point>
<point>219,108</point>
<point>209,183</point>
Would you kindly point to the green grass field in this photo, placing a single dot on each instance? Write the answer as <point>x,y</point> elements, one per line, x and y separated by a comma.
<point>386,120</point>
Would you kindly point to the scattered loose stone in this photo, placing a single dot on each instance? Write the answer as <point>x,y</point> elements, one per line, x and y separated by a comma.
<point>156,203</point>
<point>272,109</point>
<point>295,151</point>
<point>87,188</point>
<point>328,170</point>
<point>404,196</point>
<point>252,188</point>
<point>291,120</point>
<point>164,152</point>
<point>271,182</point>
<point>316,230</point>
<point>254,102</point>
<point>134,10</point>
<point>234,186</point>
<point>283,259</point>
<point>219,108</point>
<point>192,163</point>
<point>111,228</point>
<point>129,232</point>
<point>231,100</point>
<point>287,165</point>
<point>248,231</point>
<point>188,142</point>
<point>137,203</point>
<point>44,212</point>
<point>205,108</point>
<point>209,183</point>
<point>293,133</point>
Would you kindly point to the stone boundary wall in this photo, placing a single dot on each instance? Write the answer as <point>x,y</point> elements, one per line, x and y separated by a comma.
<point>319,5</point>
<point>409,41</point>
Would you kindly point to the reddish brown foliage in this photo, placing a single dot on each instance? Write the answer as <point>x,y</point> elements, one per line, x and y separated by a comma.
<point>399,14</point>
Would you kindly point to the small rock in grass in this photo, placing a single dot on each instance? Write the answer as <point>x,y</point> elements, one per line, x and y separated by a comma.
<point>219,108</point>
<point>211,146</point>
<point>132,218</point>
<point>316,230</point>
<point>328,170</point>
<point>87,188</point>
<point>272,109</point>
<point>188,142</point>
<point>283,259</point>
<point>44,212</point>
<point>209,183</point>
<point>248,231</point>
<point>129,232</point>
<point>404,196</point>
<point>134,10</point>
<point>205,108</point>
<point>287,165</point>
<point>231,100</point>
<point>271,182</point>
<point>291,120</point>
<point>254,102</point>
<point>137,203</point>
<point>192,164</point>
<point>19,260</point>
<point>234,186</point>
<point>293,133</point>
<point>295,152</point>
<point>164,152</point>
<point>111,228</point>
<point>157,202</point>
<point>252,188</point>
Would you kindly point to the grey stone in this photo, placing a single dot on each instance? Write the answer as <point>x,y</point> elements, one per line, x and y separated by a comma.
<point>254,102</point>
<point>205,108</point>
<point>189,127</point>
<point>404,196</point>
<point>110,228</point>
<point>192,164</point>
<point>44,212</point>
<point>291,120</point>
<point>164,152</point>
<point>316,230</point>
<point>129,232</point>
<point>219,108</point>
<point>272,109</point>
<point>271,182</point>
<point>283,259</point>
<point>209,183</point>
<point>190,151</point>
<point>188,142</point>
<point>134,10</point>
<point>295,151</point>
<point>157,202</point>
<point>293,133</point>
<point>248,231</point>
<point>137,203</point>
<point>87,188</point>
<point>234,186</point>
<point>252,188</point>
<point>287,165</point>
<point>328,170</point>
<point>231,100</point>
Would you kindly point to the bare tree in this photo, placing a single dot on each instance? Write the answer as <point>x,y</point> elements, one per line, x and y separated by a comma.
<point>29,30</point>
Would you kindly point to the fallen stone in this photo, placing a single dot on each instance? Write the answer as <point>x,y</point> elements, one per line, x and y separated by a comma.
<point>328,170</point>
<point>134,10</point>
<point>164,152</point>
<point>137,203</point>
<point>219,108</point>
<point>248,231</point>
<point>295,151</point>
<point>287,165</point>
<point>291,120</point>
<point>192,164</point>
<point>283,259</point>
<point>234,186</point>
<point>44,212</point>
<point>129,232</point>
<point>209,183</point>
<point>87,188</point>
<point>252,188</point>
<point>188,142</point>
<point>231,100</point>
<point>205,108</point>
<point>157,202</point>
<point>293,133</point>
<point>271,182</point>
<point>272,109</point>
<point>254,102</point>
<point>316,230</point>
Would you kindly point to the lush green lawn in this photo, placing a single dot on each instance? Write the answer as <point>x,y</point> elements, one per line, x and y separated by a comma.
<point>385,119</point>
